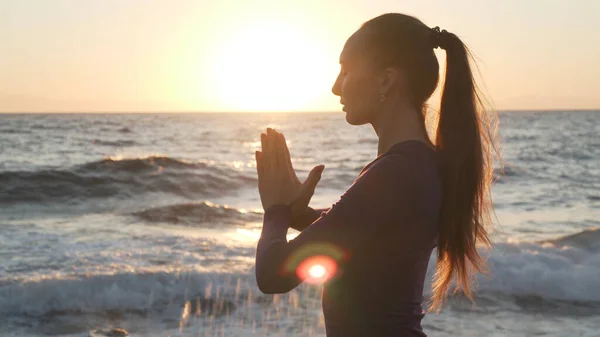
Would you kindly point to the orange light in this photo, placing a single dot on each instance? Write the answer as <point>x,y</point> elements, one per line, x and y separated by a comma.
<point>316,269</point>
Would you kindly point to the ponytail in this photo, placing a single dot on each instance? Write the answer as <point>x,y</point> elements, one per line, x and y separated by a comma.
<point>464,140</point>
<point>464,143</point>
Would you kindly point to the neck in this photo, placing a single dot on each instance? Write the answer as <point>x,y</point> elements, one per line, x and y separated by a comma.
<point>397,123</point>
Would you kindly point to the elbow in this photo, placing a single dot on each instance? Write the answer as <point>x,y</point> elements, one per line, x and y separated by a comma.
<point>267,290</point>
<point>267,287</point>
<point>270,278</point>
<point>272,290</point>
<point>273,285</point>
<point>263,286</point>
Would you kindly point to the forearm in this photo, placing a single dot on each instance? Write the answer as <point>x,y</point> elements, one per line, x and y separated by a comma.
<point>271,253</point>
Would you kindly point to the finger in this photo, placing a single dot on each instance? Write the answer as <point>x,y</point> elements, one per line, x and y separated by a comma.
<point>271,150</point>
<point>287,160</point>
<point>309,185</point>
<point>315,175</point>
<point>263,139</point>
<point>259,168</point>
<point>281,149</point>
<point>311,182</point>
<point>269,161</point>
<point>264,154</point>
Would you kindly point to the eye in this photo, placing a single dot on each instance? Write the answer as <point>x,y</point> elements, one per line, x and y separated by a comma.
<point>343,69</point>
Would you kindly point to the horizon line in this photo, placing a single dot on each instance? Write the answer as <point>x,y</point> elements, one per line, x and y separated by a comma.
<point>259,112</point>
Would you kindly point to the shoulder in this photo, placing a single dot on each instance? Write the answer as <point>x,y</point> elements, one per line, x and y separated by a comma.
<point>408,163</point>
<point>386,178</point>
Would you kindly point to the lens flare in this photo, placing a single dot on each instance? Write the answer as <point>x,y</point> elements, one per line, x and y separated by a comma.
<point>316,269</point>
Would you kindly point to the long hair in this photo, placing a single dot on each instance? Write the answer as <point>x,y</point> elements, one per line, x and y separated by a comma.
<point>464,140</point>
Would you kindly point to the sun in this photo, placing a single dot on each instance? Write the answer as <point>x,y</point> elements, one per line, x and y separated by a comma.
<point>270,66</point>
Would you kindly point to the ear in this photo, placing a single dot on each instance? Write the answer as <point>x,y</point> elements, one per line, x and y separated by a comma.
<point>388,79</point>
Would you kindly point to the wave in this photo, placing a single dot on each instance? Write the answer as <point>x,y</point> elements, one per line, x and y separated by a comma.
<point>84,302</point>
<point>194,214</point>
<point>14,131</point>
<point>116,143</point>
<point>508,172</point>
<point>588,239</point>
<point>121,178</point>
<point>593,197</point>
<point>559,275</point>
<point>565,269</point>
<point>135,165</point>
<point>367,141</point>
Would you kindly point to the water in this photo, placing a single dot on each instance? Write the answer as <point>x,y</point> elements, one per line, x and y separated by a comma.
<point>149,223</point>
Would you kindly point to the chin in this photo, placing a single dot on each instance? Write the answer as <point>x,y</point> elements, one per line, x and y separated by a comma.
<point>354,119</point>
<point>349,120</point>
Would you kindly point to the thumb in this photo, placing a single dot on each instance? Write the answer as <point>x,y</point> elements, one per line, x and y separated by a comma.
<point>308,187</point>
<point>315,175</point>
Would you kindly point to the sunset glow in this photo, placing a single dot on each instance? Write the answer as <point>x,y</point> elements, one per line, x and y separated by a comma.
<point>267,55</point>
<point>270,66</point>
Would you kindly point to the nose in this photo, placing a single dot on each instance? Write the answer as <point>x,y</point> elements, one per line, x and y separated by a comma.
<point>336,89</point>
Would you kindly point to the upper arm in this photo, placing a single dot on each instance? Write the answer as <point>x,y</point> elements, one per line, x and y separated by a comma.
<point>381,196</point>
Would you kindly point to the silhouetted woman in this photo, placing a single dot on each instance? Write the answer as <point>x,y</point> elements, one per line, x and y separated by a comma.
<point>374,243</point>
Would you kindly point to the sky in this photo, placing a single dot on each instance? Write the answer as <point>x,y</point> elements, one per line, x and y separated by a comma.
<point>273,55</point>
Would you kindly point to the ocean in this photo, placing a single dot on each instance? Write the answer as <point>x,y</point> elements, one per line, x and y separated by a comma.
<point>149,223</point>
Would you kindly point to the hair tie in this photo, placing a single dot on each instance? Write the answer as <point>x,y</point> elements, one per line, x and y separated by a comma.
<point>439,37</point>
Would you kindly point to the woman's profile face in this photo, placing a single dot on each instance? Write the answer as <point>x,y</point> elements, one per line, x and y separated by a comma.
<point>356,84</point>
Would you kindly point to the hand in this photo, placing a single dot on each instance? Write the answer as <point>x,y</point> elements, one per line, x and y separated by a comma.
<point>277,180</point>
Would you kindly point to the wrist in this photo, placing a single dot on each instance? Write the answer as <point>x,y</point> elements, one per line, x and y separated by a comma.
<point>280,207</point>
<point>299,211</point>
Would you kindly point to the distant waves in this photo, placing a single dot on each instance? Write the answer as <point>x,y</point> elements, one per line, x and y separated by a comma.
<point>198,214</point>
<point>121,178</point>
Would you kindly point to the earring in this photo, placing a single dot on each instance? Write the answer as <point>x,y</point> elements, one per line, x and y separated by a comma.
<point>382,97</point>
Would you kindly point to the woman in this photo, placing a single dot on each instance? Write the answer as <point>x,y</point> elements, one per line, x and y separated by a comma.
<point>416,195</point>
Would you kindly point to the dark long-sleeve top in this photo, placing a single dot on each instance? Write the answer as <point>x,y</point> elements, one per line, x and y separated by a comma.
<point>380,232</point>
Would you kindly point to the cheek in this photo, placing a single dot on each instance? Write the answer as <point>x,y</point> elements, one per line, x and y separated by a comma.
<point>356,89</point>
<point>351,87</point>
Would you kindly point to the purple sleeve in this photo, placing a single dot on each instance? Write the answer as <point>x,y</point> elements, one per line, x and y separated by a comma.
<point>377,198</point>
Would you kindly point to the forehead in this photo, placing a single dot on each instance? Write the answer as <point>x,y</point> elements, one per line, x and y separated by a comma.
<point>354,47</point>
